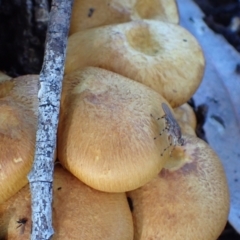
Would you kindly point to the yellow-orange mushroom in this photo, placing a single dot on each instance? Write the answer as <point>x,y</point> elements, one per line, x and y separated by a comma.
<point>79,212</point>
<point>161,55</point>
<point>18,122</point>
<point>88,13</point>
<point>107,129</point>
<point>189,198</point>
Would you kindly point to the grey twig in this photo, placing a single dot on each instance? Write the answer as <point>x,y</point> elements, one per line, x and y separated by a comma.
<point>41,175</point>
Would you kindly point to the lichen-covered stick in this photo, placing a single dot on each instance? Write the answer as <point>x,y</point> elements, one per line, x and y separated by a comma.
<point>41,175</point>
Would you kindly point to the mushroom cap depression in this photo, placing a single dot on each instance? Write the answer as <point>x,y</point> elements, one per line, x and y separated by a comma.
<point>88,14</point>
<point>79,212</point>
<point>18,122</point>
<point>189,198</point>
<point>161,55</point>
<point>107,129</point>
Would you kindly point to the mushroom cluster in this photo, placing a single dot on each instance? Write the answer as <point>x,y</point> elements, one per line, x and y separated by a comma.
<point>121,145</point>
<point>79,212</point>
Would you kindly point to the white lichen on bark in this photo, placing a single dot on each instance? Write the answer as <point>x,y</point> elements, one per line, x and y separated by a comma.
<point>41,175</point>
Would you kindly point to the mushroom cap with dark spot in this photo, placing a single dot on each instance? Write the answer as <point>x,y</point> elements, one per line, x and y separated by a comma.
<point>107,128</point>
<point>150,52</point>
<point>79,212</point>
<point>89,14</point>
<point>189,199</point>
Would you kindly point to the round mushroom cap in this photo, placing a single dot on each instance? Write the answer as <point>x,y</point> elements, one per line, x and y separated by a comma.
<point>89,14</point>
<point>189,198</point>
<point>107,128</point>
<point>79,212</point>
<point>186,119</point>
<point>18,123</point>
<point>161,55</point>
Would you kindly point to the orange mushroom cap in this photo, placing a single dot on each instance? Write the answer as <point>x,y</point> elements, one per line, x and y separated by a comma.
<point>189,198</point>
<point>79,212</point>
<point>88,14</point>
<point>18,122</point>
<point>107,129</point>
<point>161,55</point>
